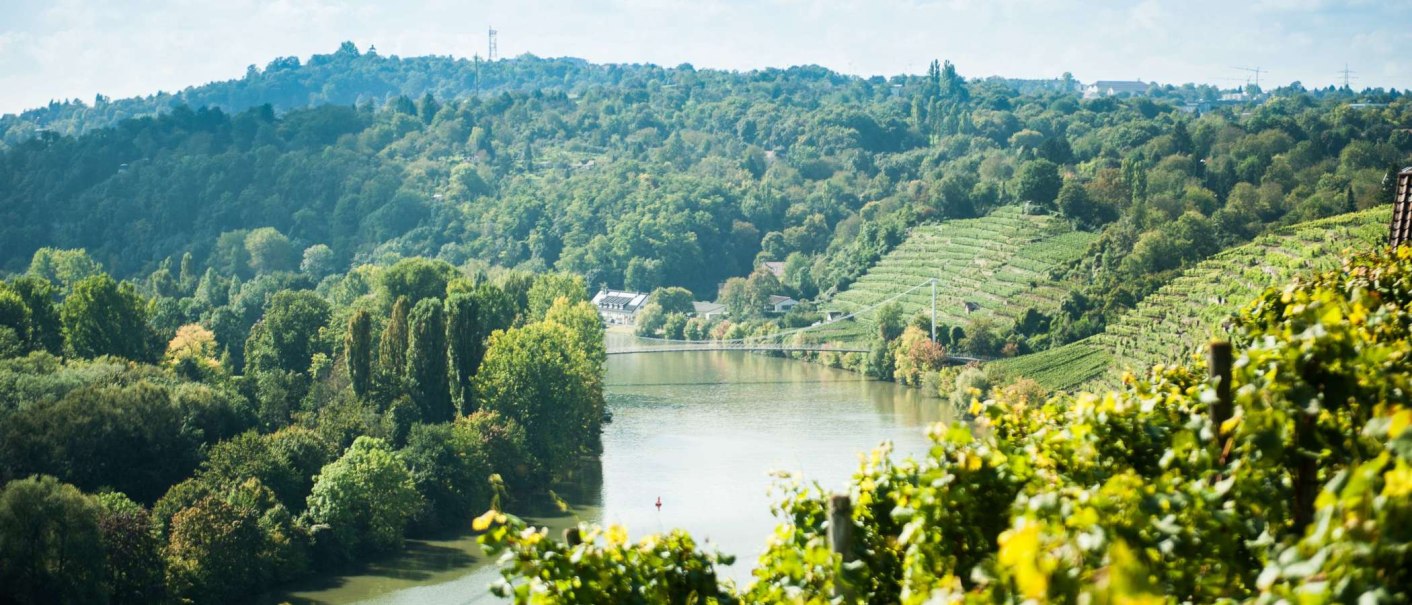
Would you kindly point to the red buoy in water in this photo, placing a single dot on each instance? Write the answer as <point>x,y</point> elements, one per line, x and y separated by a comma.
<point>659,504</point>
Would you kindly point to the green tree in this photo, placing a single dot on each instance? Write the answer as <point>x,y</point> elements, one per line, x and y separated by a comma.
<point>46,332</point>
<point>14,314</point>
<point>63,268</point>
<point>366,497</point>
<point>392,347</point>
<point>293,321</point>
<point>269,251</point>
<point>1074,203</point>
<point>426,378</point>
<point>549,287</point>
<point>643,274</point>
<point>318,261</point>
<point>649,320</point>
<point>417,278</point>
<point>465,345</point>
<point>539,377</point>
<point>673,300</point>
<point>130,437</point>
<point>213,550</point>
<point>582,319</point>
<point>1038,181</point>
<point>103,317</point>
<point>133,565</point>
<point>51,548</point>
<point>451,471</point>
<point>358,352</point>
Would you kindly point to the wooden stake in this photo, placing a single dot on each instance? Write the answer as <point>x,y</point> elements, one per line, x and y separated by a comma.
<point>1219,362</point>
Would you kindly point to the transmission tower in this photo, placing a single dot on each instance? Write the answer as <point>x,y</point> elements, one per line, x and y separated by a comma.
<point>1347,76</point>
<point>493,52</point>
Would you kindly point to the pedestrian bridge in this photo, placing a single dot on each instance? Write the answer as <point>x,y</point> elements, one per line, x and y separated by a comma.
<point>682,346</point>
<point>687,346</point>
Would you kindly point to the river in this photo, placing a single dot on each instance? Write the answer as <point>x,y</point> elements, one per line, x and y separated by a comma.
<point>704,431</point>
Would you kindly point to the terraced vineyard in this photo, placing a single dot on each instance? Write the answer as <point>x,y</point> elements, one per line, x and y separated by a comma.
<point>1174,322</point>
<point>1000,263</point>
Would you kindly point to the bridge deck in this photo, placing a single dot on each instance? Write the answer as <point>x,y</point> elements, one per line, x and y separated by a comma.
<point>687,348</point>
<point>950,360</point>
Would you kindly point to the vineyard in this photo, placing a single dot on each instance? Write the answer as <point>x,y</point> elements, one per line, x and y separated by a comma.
<point>1168,326</point>
<point>997,266</point>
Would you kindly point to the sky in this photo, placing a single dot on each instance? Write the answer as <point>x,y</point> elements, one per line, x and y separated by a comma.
<point>58,49</point>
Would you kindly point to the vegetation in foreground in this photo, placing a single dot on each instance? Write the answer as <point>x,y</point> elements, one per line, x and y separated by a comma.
<point>1304,494</point>
<point>141,463</point>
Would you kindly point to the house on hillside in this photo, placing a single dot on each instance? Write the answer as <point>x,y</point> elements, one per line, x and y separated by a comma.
<point>1109,88</point>
<point>619,306</point>
<point>780,304</point>
<point>708,310</point>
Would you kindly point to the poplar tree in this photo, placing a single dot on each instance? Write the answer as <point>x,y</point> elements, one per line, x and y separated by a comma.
<point>464,346</point>
<point>392,349</point>
<point>357,351</point>
<point>426,376</point>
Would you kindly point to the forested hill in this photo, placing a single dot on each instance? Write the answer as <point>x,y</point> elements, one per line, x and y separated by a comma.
<point>646,177</point>
<point>345,77</point>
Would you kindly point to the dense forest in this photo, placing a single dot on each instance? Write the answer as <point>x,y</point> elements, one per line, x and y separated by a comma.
<point>144,462</point>
<point>678,177</point>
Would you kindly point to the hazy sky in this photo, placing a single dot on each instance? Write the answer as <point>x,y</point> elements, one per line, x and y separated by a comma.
<point>64,49</point>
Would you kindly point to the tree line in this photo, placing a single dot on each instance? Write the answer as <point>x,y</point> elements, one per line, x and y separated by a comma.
<point>643,177</point>
<point>146,461</point>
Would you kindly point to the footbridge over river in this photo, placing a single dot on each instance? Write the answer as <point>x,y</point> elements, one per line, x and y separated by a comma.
<point>786,341</point>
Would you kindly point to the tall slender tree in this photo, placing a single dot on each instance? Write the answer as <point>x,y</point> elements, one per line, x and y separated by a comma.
<point>358,353</point>
<point>465,346</point>
<point>426,376</point>
<point>392,349</point>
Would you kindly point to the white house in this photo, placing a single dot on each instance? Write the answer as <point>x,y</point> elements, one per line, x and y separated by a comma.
<point>781,304</point>
<point>619,306</point>
<point>1108,88</point>
<point>708,310</point>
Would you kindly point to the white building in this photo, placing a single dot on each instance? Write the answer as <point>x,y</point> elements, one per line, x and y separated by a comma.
<point>1108,88</point>
<point>619,306</point>
<point>781,304</point>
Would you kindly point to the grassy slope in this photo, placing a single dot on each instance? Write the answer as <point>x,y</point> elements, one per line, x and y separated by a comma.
<point>1001,262</point>
<point>1173,322</point>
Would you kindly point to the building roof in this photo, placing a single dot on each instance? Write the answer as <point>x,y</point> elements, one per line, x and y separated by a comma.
<point>707,308</point>
<point>619,299</point>
<point>776,299</point>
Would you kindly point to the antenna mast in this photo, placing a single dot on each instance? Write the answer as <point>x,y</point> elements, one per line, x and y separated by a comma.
<point>493,52</point>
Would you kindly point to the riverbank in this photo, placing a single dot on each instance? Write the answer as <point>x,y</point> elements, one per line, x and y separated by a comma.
<point>704,431</point>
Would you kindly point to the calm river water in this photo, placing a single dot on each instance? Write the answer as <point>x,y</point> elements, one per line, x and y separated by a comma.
<point>703,431</point>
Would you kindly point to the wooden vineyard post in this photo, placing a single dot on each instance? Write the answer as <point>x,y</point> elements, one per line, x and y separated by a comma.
<point>1219,361</point>
<point>1400,232</point>
<point>841,540</point>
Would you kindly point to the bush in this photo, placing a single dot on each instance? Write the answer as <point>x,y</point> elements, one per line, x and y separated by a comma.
<point>366,497</point>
